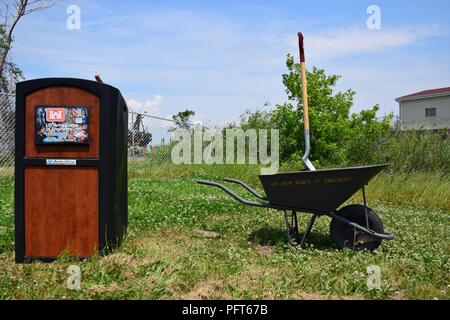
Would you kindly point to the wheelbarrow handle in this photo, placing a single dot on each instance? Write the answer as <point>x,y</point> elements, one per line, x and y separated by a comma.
<point>231,193</point>
<point>246,187</point>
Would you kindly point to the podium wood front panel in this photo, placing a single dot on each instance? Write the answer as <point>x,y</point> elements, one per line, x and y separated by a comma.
<point>61,211</point>
<point>62,96</point>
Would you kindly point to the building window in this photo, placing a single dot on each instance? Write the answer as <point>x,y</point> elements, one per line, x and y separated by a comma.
<point>430,112</point>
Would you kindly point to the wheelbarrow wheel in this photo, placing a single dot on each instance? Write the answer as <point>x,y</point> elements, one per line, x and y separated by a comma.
<point>345,236</point>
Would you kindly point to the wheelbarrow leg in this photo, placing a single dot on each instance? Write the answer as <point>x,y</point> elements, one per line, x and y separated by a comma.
<point>297,234</point>
<point>363,189</point>
<point>308,230</point>
<point>288,226</point>
<point>292,226</point>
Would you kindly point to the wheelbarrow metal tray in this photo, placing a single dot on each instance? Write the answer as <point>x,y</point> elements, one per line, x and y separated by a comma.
<point>321,190</point>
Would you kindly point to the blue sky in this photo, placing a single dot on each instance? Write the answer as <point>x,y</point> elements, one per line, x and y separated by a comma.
<point>220,58</point>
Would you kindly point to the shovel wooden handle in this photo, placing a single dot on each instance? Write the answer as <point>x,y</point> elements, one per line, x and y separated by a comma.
<point>304,82</point>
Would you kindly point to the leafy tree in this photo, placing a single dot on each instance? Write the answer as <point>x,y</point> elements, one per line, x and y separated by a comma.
<point>10,73</point>
<point>12,11</point>
<point>337,137</point>
<point>256,120</point>
<point>329,115</point>
<point>367,136</point>
<point>183,120</point>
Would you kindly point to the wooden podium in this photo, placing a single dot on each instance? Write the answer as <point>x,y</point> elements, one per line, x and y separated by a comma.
<point>71,169</point>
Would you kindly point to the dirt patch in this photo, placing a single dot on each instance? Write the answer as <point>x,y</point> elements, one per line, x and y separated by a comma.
<point>168,243</point>
<point>205,290</point>
<point>120,259</point>
<point>249,278</point>
<point>99,289</point>
<point>398,295</point>
<point>319,296</point>
<point>207,234</point>
<point>265,251</point>
<point>311,296</point>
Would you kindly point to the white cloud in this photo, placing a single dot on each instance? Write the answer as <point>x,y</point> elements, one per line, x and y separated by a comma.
<point>151,106</point>
<point>218,66</point>
<point>359,40</point>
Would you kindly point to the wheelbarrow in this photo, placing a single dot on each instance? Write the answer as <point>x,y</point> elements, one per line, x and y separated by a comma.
<point>320,193</point>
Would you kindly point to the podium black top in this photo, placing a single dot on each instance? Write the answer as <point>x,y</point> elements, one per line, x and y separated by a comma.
<point>98,88</point>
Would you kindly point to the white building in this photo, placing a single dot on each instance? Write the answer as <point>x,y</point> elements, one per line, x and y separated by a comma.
<point>429,109</point>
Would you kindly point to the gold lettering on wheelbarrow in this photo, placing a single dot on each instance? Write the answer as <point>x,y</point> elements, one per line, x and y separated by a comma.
<point>338,180</point>
<point>303,181</point>
<point>329,180</point>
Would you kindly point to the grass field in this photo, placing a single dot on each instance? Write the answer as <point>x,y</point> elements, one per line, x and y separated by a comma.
<point>187,241</point>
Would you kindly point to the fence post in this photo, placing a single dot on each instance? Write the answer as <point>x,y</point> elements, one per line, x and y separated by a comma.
<point>132,136</point>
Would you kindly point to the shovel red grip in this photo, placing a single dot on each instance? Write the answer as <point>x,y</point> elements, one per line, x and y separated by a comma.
<point>302,47</point>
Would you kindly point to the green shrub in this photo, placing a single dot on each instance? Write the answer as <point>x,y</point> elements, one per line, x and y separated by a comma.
<point>339,138</point>
<point>415,151</point>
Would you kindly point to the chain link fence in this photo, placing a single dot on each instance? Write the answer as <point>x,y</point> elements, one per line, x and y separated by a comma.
<point>7,123</point>
<point>149,140</point>
<point>149,143</point>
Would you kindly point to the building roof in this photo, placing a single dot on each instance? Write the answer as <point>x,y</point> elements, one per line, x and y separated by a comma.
<point>432,93</point>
